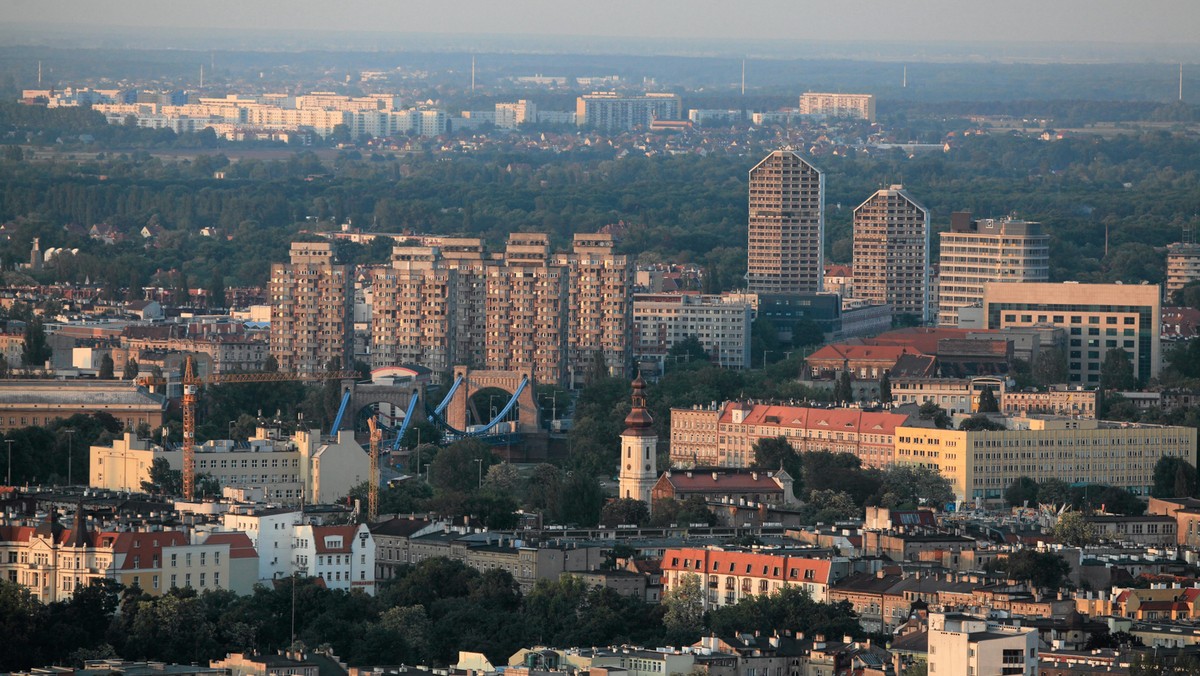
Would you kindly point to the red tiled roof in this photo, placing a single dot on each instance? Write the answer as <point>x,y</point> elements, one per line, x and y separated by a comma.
<point>844,351</point>
<point>347,533</point>
<point>801,417</point>
<point>720,482</point>
<point>748,564</point>
<point>145,545</point>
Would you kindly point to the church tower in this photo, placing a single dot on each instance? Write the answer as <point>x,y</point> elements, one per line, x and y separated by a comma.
<point>639,449</point>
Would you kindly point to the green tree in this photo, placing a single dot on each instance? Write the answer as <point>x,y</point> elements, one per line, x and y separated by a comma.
<point>931,411</point>
<point>844,391</point>
<point>1044,570</point>
<point>35,351</point>
<point>216,290</point>
<point>1022,491</point>
<point>830,506</point>
<point>1073,530</point>
<point>1050,367</point>
<point>106,367</point>
<point>1173,478</point>
<point>683,614</point>
<point>625,511</point>
<point>131,369</point>
<point>909,486</point>
<point>459,466</point>
<point>987,402</point>
<point>163,479</point>
<point>885,388</point>
<point>981,423</point>
<point>1116,372</point>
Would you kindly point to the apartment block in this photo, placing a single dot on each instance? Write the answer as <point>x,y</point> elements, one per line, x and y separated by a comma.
<point>891,252</point>
<point>311,316</point>
<point>720,323</point>
<point>786,247</point>
<point>413,303</point>
<point>342,556</point>
<point>513,115</point>
<point>303,468</point>
<point>859,106</point>
<point>1183,266</point>
<point>980,465</point>
<point>1096,317</point>
<point>610,111</point>
<point>600,283</point>
<point>869,435</point>
<point>728,577</point>
<point>526,311</point>
<point>963,644</point>
<point>974,252</point>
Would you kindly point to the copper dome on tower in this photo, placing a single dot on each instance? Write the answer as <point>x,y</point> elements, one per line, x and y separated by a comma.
<point>639,422</point>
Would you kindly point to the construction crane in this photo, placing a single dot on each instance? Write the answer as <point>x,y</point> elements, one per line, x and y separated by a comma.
<point>373,477</point>
<point>191,389</point>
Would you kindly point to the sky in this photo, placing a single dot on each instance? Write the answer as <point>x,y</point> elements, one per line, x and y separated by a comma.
<point>1104,21</point>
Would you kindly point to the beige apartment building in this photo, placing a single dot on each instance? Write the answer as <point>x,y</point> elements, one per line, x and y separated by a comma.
<point>860,106</point>
<point>1096,317</point>
<point>40,402</point>
<point>964,644</point>
<point>526,310</point>
<point>981,465</point>
<point>1057,400</point>
<point>1183,266</point>
<point>974,252</point>
<point>954,395</point>
<point>721,324</point>
<point>304,468</point>
<point>785,251</point>
<point>891,252</point>
<point>311,316</point>
<point>413,303</point>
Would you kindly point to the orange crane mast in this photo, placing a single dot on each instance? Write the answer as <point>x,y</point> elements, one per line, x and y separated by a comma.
<point>373,477</point>
<point>191,389</point>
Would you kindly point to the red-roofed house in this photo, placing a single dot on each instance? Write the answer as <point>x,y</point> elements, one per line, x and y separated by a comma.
<point>750,486</point>
<point>727,577</point>
<point>865,362</point>
<point>342,556</point>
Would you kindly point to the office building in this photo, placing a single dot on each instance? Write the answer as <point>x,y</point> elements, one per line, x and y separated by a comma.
<point>310,310</point>
<point>891,252</point>
<point>980,465</point>
<point>786,248</point>
<point>610,111</point>
<point>1096,317</point>
<point>974,252</point>
<point>963,644</point>
<point>720,323</point>
<point>857,106</point>
<point>1183,267</point>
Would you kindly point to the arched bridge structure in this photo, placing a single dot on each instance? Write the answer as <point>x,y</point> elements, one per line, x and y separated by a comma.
<point>471,381</point>
<point>364,394</point>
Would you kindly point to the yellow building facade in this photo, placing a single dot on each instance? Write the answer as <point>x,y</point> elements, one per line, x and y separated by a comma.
<point>981,465</point>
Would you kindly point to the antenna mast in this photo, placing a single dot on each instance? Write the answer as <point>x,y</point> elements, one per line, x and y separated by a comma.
<point>472,72</point>
<point>743,77</point>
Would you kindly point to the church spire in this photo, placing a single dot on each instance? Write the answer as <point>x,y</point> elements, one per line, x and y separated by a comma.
<point>638,422</point>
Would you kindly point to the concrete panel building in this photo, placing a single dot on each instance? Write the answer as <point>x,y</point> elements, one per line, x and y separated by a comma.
<point>859,106</point>
<point>311,315</point>
<point>891,252</point>
<point>786,247</point>
<point>720,323</point>
<point>610,111</point>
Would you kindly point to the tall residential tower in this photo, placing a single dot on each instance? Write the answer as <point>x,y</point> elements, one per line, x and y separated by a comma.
<point>891,252</point>
<point>786,248</point>
<point>310,310</point>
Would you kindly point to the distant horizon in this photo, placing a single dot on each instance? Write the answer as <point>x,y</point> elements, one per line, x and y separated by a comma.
<point>178,38</point>
<point>1018,29</point>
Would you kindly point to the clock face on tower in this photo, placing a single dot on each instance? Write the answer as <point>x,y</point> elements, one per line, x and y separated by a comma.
<point>629,467</point>
<point>647,468</point>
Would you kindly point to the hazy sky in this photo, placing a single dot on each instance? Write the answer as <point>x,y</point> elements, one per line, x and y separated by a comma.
<point>1113,21</point>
